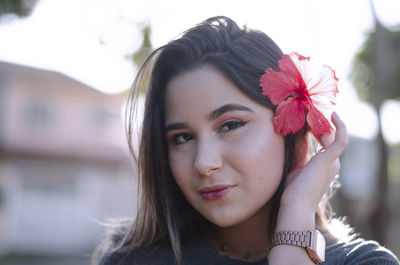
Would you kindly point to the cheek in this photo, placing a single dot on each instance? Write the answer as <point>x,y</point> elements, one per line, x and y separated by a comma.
<point>261,155</point>
<point>181,169</point>
<point>270,152</point>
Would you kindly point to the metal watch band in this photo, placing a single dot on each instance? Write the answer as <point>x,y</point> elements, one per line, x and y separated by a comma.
<point>294,238</point>
<point>313,242</point>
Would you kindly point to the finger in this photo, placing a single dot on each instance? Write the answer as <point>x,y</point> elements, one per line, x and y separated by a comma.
<point>340,141</point>
<point>327,139</point>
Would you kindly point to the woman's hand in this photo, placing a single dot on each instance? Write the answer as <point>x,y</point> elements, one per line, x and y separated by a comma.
<point>304,189</point>
<point>306,184</point>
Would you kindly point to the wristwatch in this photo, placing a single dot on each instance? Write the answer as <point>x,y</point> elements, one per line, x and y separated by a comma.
<point>313,241</point>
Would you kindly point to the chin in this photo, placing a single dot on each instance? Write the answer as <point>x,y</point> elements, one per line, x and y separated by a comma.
<point>226,220</point>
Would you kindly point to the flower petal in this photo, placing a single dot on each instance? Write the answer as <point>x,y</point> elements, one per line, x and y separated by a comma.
<point>323,89</point>
<point>289,116</point>
<point>317,122</point>
<point>321,80</point>
<point>295,64</point>
<point>277,86</point>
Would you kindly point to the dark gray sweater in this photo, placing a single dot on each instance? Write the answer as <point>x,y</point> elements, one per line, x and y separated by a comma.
<point>199,252</point>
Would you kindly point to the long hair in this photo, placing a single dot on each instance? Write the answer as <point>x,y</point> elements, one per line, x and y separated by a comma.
<point>242,55</point>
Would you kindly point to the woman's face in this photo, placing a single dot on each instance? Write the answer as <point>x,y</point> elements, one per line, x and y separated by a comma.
<point>223,152</point>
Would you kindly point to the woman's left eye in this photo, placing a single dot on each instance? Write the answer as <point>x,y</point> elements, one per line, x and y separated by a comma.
<point>231,125</point>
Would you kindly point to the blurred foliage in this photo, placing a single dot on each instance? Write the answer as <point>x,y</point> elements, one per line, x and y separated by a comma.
<point>364,69</point>
<point>141,54</point>
<point>21,8</point>
<point>145,49</point>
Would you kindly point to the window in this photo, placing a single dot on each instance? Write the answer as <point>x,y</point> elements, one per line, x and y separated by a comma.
<point>38,115</point>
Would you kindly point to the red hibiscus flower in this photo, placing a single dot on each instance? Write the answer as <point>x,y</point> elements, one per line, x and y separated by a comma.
<point>303,92</point>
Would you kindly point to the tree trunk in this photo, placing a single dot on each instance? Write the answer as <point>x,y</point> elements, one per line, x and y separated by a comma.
<point>382,54</point>
<point>380,213</point>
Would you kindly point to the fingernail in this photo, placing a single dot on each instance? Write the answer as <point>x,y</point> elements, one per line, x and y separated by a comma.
<point>336,115</point>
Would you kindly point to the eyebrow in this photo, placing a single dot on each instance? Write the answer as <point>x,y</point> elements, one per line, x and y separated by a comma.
<point>213,115</point>
<point>226,108</point>
<point>176,126</point>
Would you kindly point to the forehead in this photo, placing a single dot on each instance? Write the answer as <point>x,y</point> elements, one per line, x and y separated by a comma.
<point>201,90</point>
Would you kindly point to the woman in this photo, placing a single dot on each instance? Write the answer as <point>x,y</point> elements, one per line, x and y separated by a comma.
<point>224,175</point>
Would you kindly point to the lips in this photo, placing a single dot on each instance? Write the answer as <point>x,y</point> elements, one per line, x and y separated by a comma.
<point>215,192</point>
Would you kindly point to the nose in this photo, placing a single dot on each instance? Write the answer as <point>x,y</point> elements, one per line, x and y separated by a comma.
<point>208,160</point>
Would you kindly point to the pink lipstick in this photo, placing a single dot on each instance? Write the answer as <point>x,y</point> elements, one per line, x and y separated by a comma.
<point>215,192</point>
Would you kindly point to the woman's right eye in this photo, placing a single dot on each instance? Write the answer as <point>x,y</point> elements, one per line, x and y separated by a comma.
<point>181,138</point>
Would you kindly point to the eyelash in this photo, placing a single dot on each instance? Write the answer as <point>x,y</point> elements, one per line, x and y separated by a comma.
<point>233,124</point>
<point>236,124</point>
<point>175,138</point>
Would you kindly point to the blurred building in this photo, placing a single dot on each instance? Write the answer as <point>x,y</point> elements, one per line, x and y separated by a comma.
<point>64,164</point>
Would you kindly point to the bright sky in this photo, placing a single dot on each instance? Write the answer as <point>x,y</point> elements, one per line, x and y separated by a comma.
<point>90,39</point>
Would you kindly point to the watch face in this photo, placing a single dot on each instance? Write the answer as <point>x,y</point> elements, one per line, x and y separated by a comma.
<point>317,249</point>
<point>320,246</point>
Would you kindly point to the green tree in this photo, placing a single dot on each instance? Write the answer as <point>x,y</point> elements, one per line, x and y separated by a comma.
<point>21,8</point>
<point>140,55</point>
<point>145,49</point>
<point>376,79</point>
